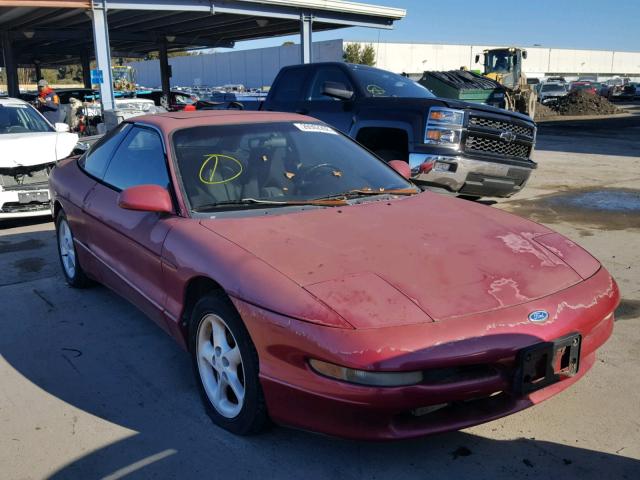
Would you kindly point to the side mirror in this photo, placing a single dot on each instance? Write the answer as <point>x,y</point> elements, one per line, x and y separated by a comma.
<point>61,127</point>
<point>477,58</point>
<point>401,167</point>
<point>336,90</point>
<point>146,198</point>
<point>524,54</point>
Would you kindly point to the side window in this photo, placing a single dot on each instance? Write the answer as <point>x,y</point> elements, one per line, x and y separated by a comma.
<point>327,75</point>
<point>95,162</point>
<point>290,84</point>
<point>139,160</point>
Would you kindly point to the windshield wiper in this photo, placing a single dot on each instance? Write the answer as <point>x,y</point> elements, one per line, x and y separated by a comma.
<point>364,192</point>
<point>270,203</point>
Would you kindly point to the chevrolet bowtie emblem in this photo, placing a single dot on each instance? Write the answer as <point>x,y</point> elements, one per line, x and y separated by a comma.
<point>508,136</point>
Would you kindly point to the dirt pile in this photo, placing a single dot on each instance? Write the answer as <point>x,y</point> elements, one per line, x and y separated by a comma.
<point>543,112</point>
<point>582,103</point>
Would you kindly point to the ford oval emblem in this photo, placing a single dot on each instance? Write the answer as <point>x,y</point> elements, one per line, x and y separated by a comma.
<point>539,316</point>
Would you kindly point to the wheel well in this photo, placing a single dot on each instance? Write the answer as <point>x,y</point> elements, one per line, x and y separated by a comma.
<point>390,139</point>
<point>196,288</point>
<point>56,209</point>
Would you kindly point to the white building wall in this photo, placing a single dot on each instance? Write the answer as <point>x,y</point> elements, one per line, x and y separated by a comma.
<point>417,57</point>
<point>258,68</point>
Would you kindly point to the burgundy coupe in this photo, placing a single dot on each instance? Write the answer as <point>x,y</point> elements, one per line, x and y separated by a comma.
<point>316,287</point>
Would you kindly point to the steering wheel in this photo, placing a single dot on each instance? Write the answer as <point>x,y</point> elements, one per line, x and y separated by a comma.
<point>306,177</point>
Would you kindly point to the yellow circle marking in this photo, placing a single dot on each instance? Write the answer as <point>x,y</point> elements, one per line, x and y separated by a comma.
<point>375,90</point>
<point>217,158</point>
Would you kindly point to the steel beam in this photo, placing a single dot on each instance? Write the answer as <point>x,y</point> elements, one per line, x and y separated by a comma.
<point>306,44</point>
<point>103,54</point>
<point>38,68</point>
<point>13,84</point>
<point>165,73</point>
<point>85,60</point>
<point>239,7</point>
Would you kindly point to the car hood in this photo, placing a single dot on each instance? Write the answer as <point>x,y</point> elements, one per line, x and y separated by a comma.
<point>30,149</point>
<point>415,259</point>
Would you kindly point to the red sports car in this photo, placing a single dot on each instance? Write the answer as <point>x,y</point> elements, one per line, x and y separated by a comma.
<point>315,286</point>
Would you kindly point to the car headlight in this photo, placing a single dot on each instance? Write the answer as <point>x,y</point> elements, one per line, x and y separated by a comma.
<point>444,126</point>
<point>363,377</point>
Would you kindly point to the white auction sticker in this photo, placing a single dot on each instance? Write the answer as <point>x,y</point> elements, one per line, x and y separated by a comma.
<point>315,127</point>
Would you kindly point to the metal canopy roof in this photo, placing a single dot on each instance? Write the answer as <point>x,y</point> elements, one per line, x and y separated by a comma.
<point>59,32</point>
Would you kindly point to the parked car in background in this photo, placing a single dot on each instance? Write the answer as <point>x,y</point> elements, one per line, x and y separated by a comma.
<point>620,89</point>
<point>29,149</point>
<point>586,87</point>
<point>467,148</point>
<point>177,99</point>
<point>315,286</point>
<point>550,93</point>
<point>555,80</point>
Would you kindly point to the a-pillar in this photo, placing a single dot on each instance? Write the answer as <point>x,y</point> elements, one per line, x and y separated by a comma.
<point>13,84</point>
<point>103,53</point>
<point>306,48</point>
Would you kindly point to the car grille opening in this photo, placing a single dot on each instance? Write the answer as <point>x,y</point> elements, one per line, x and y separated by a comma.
<point>485,145</point>
<point>25,180</point>
<point>501,126</point>
<point>14,207</point>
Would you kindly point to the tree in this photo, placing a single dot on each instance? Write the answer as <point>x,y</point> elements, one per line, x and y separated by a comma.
<point>288,43</point>
<point>368,56</point>
<point>352,53</point>
<point>355,53</point>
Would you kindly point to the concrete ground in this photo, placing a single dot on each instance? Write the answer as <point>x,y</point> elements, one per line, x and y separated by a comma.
<point>89,388</point>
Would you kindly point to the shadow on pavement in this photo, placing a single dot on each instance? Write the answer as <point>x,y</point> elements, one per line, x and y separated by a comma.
<point>618,136</point>
<point>96,352</point>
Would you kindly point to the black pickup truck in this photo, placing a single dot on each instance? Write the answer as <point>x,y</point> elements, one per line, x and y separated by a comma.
<point>468,148</point>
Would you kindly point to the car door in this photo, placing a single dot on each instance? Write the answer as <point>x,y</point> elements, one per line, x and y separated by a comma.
<point>333,111</point>
<point>129,243</point>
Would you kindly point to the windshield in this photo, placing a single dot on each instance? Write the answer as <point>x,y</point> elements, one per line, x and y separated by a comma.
<point>552,88</point>
<point>275,162</point>
<point>380,83</point>
<point>500,61</point>
<point>21,119</point>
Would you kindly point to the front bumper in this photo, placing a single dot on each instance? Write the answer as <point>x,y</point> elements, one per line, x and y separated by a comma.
<point>13,204</point>
<point>468,176</point>
<point>299,397</point>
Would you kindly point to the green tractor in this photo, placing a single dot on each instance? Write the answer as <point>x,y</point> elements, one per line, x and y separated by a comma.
<point>504,65</point>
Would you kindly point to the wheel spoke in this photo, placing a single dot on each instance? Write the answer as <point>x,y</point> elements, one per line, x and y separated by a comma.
<point>219,394</point>
<point>219,336</point>
<point>236,386</point>
<point>234,357</point>
<point>207,352</point>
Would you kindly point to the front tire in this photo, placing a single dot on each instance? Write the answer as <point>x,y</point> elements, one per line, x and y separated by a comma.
<point>71,268</point>
<point>226,366</point>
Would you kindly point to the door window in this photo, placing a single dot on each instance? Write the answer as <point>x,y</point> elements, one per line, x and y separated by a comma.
<point>328,75</point>
<point>290,85</point>
<point>139,160</point>
<point>95,162</point>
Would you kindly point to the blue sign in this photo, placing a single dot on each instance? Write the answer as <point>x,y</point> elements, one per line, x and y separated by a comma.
<point>96,76</point>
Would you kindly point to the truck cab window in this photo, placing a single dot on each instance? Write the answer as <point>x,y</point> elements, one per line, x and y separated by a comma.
<point>290,85</point>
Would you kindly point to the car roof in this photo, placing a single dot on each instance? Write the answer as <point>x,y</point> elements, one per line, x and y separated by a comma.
<point>12,101</point>
<point>172,120</point>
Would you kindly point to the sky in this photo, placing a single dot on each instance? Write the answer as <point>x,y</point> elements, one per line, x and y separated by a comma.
<point>588,24</point>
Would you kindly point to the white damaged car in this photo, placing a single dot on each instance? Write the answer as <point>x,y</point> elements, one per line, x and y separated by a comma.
<point>29,148</point>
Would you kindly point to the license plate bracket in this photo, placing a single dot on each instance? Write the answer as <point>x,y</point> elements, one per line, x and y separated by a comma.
<point>30,197</point>
<point>543,364</point>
